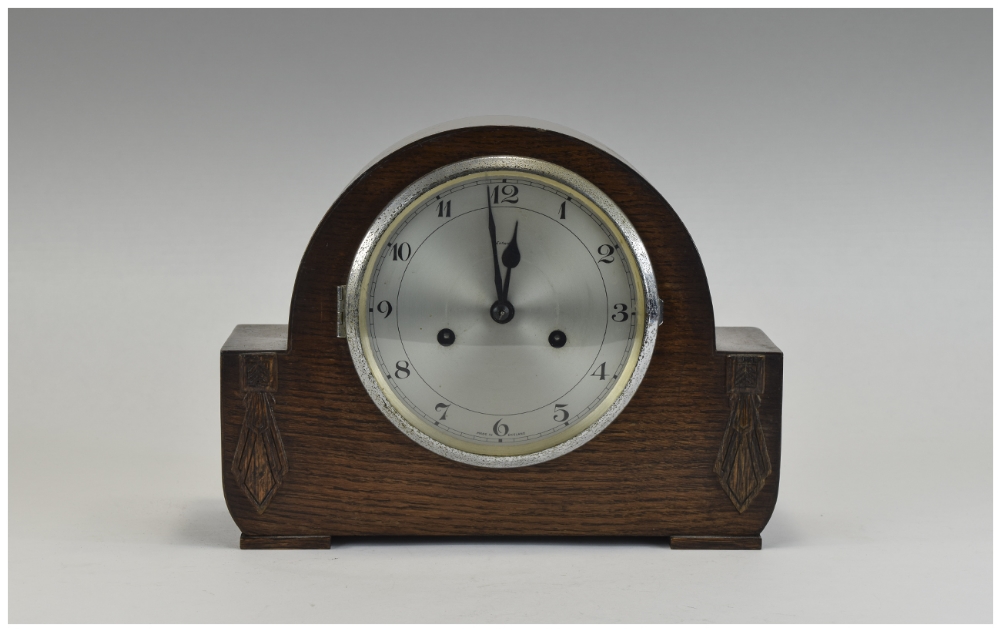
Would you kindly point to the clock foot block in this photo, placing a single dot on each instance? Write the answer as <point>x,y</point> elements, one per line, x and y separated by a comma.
<point>252,542</point>
<point>715,543</point>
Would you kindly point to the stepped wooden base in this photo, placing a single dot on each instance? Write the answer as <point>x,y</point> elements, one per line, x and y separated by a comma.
<point>318,542</point>
<point>715,543</point>
<point>250,542</point>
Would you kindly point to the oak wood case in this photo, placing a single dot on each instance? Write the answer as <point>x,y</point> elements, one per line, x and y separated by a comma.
<point>351,472</point>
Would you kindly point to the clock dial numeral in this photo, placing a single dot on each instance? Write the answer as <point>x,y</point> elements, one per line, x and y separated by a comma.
<point>562,210</point>
<point>444,208</point>
<point>443,408</point>
<point>401,251</point>
<point>606,251</point>
<point>500,429</point>
<point>403,369</point>
<point>600,372</point>
<point>561,414</point>
<point>385,308</point>
<point>621,313</point>
<point>505,194</point>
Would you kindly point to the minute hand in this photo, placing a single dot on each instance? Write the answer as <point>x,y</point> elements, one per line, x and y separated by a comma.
<point>511,257</point>
<point>493,242</point>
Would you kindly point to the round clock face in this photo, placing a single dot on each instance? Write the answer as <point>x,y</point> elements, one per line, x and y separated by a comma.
<point>502,309</point>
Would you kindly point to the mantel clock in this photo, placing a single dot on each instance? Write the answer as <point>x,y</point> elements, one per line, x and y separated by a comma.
<point>500,329</point>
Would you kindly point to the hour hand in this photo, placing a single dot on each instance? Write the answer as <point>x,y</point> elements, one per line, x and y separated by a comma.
<point>511,257</point>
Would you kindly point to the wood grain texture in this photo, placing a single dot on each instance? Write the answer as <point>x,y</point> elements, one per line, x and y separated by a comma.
<point>249,542</point>
<point>259,462</point>
<point>743,463</point>
<point>352,473</point>
<point>715,543</point>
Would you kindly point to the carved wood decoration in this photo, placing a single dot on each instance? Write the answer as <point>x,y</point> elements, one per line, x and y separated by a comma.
<point>259,463</point>
<point>743,464</point>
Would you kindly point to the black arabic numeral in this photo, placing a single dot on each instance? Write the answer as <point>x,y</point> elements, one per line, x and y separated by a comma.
<point>401,251</point>
<point>442,406</point>
<point>606,251</point>
<point>560,409</point>
<point>599,372</point>
<point>505,194</point>
<point>500,429</point>
<point>403,369</point>
<point>444,208</point>
<point>384,307</point>
<point>621,311</point>
<point>562,210</point>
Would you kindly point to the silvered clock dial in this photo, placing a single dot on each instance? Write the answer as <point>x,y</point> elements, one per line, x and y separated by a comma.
<point>501,311</point>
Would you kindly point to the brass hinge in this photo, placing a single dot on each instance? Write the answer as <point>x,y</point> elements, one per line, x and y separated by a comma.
<point>341,310</point>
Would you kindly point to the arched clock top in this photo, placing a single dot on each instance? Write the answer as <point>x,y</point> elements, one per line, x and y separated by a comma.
<point>680,275</point>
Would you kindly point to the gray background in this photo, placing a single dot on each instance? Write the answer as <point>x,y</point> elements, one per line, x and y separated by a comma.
<point>168,168</point>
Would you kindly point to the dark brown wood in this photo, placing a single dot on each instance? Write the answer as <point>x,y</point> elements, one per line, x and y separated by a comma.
<point>351,472</point>
<point>317,542</point>
<point>715,543</point>
<point>259,463</point>
<point>743,464</point>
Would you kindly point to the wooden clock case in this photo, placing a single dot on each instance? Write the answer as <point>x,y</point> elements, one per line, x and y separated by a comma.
<point>306,454</point>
